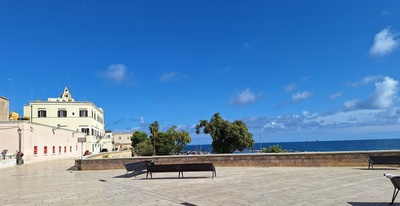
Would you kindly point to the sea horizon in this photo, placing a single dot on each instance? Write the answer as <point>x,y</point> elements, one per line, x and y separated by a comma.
<point>316,146</point>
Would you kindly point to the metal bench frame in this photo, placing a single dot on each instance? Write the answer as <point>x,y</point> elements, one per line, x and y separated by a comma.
<point>396,183</point>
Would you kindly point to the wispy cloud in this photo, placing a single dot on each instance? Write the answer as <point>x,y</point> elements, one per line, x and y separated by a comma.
<point>384,43</point>
<point>290,87</point>
<point>301,96</point>
<point>244,98</point>
<point>366,80</point>
<point>172,76</point>
<point>377,114</point>
<point>335,96</point>
<point>253,42</point>
<point>225,70</point>
<point>384,96</point>
<point>116,73</point>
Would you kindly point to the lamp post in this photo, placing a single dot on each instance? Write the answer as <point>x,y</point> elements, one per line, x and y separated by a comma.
<point>19,155</point>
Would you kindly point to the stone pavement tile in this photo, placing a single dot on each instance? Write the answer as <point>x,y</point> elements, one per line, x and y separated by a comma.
<point>52,183</point>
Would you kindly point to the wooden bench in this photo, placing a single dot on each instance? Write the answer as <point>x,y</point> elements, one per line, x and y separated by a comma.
<point>162,168</point>
<point>198,167</point>
<point>384,160</point>
<point>180,168</point>
<point>135,167</point>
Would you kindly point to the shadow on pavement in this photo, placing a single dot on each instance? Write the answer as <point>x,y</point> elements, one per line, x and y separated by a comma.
<point>375,169</point>
<point>371,203</point>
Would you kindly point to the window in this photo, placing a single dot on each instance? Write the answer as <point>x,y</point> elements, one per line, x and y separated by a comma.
<point>85,130</point>
<point>54,149</point>
<point>59,149</point>
<point>83,113</point>
<point>45,149</point>
<point>65,149</point>
<point>62,113</point>
<point>70,148</point>
<point>42,113</point>
<point>35,150</point>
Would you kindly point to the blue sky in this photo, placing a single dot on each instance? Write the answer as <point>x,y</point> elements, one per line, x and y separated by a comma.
<point>326,70</point>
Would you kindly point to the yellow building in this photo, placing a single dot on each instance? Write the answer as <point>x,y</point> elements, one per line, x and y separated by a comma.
<point>65,112</point>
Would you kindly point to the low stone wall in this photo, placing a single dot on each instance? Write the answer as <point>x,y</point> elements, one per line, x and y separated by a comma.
<point>301,159</point>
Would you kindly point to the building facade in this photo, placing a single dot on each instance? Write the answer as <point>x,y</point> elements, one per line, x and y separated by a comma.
<point>122,140</point>
<point>4,108</point>
<point>64,112</point>
<point>37,142</point>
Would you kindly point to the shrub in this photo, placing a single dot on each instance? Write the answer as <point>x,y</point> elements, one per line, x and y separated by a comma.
<point>273,149</point>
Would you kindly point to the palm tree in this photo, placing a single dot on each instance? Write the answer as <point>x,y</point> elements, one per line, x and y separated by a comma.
<point>154,127</point>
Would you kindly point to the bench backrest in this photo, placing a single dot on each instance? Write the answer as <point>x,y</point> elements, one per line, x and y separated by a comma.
<point>197,167</point>
<point>396,182</point>
<point>163,168</point>
<point>384,159</point>
<point>135,166</point>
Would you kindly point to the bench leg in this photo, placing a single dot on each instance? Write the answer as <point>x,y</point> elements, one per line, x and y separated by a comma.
<point>395,192</point>
<point>151,175</point>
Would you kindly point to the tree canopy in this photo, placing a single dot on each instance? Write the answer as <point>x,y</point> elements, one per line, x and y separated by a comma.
<point>170,142</point>
<point>138,137</point>
<point>181,138</point>
<point>227,137</point>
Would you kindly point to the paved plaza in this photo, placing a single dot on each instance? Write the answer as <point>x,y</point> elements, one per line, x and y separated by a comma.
<point>57,183</point>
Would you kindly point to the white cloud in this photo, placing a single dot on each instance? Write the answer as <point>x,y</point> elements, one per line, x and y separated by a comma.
<point>301,96</point>
<point>142,120</point>
<point>384,96</point>
<point>385,93</point>
<point>245,97</point>
<point>115,72</point>
<point>384,42</point>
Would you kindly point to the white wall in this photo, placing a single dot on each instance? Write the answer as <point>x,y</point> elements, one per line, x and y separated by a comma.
<point>39,136</point>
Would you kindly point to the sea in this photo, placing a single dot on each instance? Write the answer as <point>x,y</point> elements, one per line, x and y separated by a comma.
<point>312,146</point>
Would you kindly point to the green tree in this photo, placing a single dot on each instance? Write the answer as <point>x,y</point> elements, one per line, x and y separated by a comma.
<point>165,145</point>
<point>181,138</point>
<point>144,148</point>
<point>154,127</point>
<point>227,137</point>
<point>138,137</point>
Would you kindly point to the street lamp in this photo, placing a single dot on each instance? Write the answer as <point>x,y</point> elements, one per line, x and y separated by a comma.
<point>272,123</point>
<point>19,155</point>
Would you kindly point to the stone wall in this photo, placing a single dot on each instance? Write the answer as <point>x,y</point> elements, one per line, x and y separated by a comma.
<point>303,159</point>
